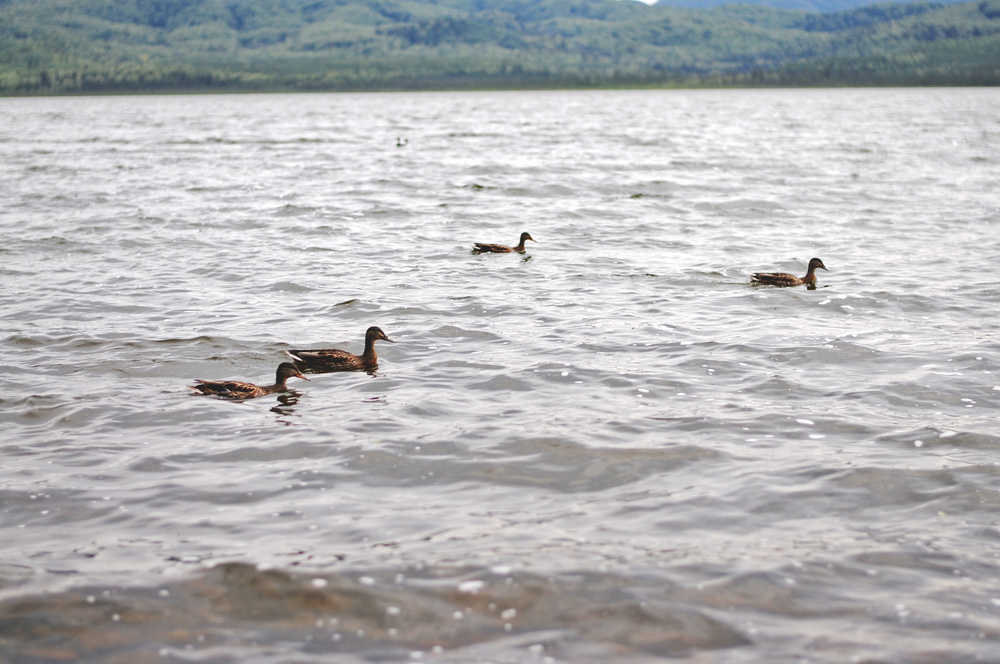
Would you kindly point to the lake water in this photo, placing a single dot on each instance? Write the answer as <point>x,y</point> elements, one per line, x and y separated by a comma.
<point>612,448</point>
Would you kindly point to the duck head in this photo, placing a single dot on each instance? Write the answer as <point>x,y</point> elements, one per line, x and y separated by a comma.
<point>816,263</point>
<point>287,370</point>
<point>375,333</point>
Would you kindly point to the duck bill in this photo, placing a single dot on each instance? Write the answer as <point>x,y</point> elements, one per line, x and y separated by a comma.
<point>299,375</point>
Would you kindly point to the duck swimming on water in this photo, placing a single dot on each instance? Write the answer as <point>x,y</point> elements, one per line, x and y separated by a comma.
<point>785,279</point>
<point>234,389</point>
<point>483,248</point>
<point>324,360</point>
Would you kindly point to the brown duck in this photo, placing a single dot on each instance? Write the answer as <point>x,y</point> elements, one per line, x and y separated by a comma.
<point>785,279</point>
<point>324,360</point>
<point>482,248</point>
<point>234,389</point>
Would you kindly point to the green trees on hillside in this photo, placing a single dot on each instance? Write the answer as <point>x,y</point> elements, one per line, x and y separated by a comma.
<point>54,46</point>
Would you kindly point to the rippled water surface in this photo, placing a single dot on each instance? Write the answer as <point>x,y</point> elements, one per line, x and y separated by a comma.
<point>611,448</point>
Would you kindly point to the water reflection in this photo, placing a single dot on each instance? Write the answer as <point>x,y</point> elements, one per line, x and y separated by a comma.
<point>286,404</point>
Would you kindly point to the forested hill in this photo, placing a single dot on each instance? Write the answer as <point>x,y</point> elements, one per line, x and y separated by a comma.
<point>65,46</point>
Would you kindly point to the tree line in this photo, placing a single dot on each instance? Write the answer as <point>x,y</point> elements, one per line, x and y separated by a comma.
<point>53,47</point>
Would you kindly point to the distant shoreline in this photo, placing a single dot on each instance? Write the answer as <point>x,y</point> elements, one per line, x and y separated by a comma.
<point>485,87</point>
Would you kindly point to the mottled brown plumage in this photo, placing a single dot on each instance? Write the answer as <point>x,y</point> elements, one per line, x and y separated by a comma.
<point>325,360</point>
<point>482,248</point>
<point>234,389</point>
<point>785,279</point>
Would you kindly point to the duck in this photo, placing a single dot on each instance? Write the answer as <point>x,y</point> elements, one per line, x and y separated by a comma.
<point>325,360</point>
<point>482,248</point>
<point>235,389</point>
<point>785,279</point>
